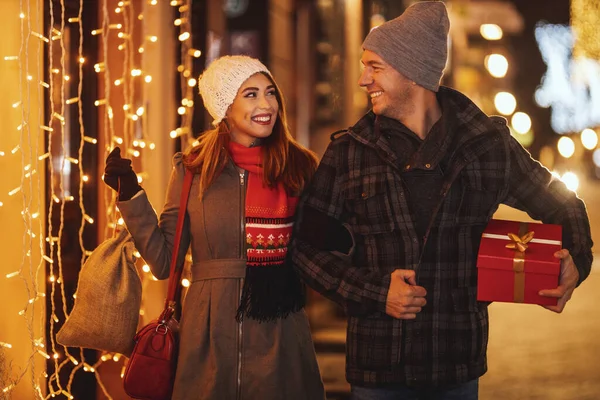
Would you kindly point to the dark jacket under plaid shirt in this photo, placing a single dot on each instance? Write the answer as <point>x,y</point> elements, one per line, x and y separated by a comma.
<point>358,184</point>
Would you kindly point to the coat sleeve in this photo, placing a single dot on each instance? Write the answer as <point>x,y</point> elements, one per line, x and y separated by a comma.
<point>533,189</point>
<point>154,238</point>
<point>322,246</point>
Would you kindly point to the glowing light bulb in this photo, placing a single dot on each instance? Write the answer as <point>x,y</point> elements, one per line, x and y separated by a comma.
<point>589,139</point>
<point>505,103</point>
<point>194,53</point>
<point>491,31</point>
<point>521,122</point>
<point>497,65</point>
<point>566,147</point>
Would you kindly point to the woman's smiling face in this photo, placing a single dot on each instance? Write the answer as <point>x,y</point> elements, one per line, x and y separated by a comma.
<point>254,110</point>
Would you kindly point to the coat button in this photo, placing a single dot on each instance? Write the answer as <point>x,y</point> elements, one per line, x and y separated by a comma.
<point>407,166</point>
<point>364,195</point>
<point>427,166</point>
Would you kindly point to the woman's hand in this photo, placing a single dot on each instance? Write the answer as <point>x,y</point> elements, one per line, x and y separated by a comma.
<point>119,170</point>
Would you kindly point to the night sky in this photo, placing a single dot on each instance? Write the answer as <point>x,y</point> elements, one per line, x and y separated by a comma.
<point>530,67</point>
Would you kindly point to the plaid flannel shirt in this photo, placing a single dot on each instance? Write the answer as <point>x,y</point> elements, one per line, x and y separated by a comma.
<point>358,186</point>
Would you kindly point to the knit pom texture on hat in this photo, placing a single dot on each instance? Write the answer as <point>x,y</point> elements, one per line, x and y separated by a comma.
<point>415,43</point>
<point>220,82</point>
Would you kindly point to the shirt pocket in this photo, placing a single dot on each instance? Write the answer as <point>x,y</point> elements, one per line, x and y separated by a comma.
<point>368,205</point>
<point>467,342</point>
<point>479,199</point>
<point>476,206</point>
<point>480,193</point>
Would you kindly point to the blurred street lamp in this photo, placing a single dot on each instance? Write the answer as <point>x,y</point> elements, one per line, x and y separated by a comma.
<point>497,65</point>
<point>596,157</point>
<point>566,147</point>
<point>491,31</point>
<point>521,122</point>
<point>589,139</point>
<point>525,139</point>
<point>376,20</point>
<point>570,180</point>
<point>505,103</point>
<point>547,156</point>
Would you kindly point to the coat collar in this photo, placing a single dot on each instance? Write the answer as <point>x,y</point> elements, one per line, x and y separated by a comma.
<point>465,125</point>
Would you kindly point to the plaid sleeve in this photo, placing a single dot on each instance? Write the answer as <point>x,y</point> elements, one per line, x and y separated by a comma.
<point>315,248</point>
<point>533,189</point>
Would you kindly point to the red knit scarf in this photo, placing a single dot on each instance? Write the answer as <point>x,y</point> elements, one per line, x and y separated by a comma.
<point>271,286</point>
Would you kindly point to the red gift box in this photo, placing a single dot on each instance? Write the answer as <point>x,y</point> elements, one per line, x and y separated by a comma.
<point>516,260</point>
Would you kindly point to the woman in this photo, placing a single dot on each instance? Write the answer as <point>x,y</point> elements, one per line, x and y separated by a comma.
<point>244,334</point>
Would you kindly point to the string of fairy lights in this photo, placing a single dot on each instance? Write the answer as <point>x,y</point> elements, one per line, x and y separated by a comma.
<point>120,28</point>
<point>185,69</point>
<point>28,271</point>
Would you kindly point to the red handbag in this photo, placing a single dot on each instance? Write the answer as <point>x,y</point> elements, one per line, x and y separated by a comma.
<point>150,371</point>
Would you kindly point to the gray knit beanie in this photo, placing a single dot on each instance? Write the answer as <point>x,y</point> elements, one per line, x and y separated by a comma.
<point>415,43</point>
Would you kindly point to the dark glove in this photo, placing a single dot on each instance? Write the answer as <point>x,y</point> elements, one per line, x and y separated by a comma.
<point>119,169</point>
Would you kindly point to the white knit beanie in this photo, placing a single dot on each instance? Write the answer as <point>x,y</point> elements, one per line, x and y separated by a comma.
<point>220,82</point>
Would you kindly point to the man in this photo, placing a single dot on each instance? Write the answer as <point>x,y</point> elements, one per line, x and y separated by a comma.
<point>390,226</point>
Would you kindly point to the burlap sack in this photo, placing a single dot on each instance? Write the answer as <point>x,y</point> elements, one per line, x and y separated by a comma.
<point>109,294</point>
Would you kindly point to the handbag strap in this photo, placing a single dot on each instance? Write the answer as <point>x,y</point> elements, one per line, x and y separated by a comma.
<point>174,290</point>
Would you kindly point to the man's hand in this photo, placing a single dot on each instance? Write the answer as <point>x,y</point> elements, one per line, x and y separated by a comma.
<point>569,276</point>
<point>405,299</point>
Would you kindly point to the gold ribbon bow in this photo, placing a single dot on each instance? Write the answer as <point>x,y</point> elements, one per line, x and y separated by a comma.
<point>519,243</point>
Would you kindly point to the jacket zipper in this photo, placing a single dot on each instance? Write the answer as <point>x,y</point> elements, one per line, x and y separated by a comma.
<point>241,283</point>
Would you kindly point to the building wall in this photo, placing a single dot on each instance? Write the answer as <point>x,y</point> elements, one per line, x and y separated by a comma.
<point>282,61</point>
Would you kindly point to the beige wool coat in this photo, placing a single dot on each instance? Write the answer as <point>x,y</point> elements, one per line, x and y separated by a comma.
<point>219,358</point>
